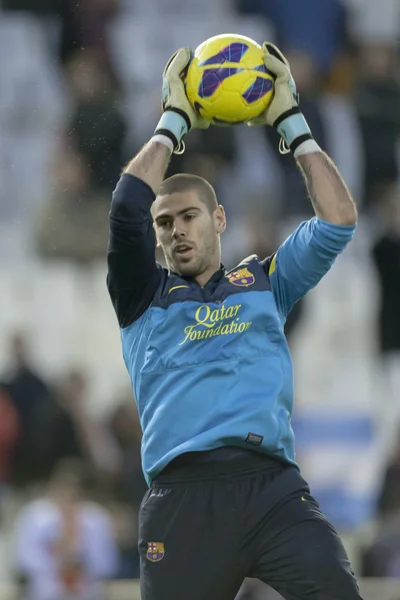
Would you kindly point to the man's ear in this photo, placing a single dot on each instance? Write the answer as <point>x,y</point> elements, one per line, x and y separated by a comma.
<point>220,219</point>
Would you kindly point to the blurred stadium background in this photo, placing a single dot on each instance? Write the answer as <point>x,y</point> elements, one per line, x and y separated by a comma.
<point>79,95</point>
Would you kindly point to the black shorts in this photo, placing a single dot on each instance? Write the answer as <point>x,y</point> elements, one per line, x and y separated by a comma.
<point>205,527</point>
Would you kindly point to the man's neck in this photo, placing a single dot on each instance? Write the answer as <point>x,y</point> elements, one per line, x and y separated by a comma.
<point>204,277</point>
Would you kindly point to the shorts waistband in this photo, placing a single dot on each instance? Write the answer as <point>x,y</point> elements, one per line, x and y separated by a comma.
<point>195,467</point>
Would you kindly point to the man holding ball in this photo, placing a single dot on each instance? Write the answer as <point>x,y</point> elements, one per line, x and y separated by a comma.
<point>211,370</point>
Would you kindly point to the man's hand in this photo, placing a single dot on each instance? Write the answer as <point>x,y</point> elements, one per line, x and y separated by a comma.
<point>179,116</point>
<point>283,113</point>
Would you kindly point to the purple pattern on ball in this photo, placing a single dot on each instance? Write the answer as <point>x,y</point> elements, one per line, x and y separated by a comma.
<point>212,79</point>
<point>257,90</point>
<point>231,53</point>
<point>263,69</point>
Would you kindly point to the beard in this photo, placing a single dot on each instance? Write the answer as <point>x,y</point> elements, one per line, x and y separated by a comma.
<point>187,268</point>
<point>194,265</point>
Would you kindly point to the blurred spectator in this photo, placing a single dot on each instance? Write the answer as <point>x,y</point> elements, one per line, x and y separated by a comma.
<point>191,8</point>
<point>92,17</point>
<point>30,396</point>
<point>377,99</point>
<point>386,256</point>
<point>82,24</point>
<point>72,432</point>
<point>40,7</point>
<point>9,431</point>
<point>64,544</point>
<point>315,27</point>
<point>125,427</point>
<point>65,15</point>
<point>389,499</point>
<point>382,558</point>
<point>73,223</point>
<point>130,486</point>
<point>97,128</point>
<point>126,534</point>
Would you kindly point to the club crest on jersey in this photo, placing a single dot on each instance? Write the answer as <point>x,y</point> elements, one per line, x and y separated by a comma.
<point>241,277</point>
<point>155,551</point>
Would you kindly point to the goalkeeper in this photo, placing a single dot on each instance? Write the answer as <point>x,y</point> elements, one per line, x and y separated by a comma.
<point>211,370</point>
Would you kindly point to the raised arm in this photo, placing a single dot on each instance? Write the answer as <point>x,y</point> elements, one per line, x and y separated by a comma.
<point>329,195</point>
<point>305,257</point>
<point>150,164</point>
<point>133,275</point>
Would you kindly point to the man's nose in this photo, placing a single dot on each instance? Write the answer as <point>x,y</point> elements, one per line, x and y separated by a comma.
<point>178,231</point>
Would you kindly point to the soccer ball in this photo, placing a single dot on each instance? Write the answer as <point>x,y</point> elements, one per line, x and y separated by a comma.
<point>227,82</point>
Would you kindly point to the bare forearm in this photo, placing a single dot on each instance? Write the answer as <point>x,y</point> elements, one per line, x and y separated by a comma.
<point>150,164</point>
<point>329,195</point>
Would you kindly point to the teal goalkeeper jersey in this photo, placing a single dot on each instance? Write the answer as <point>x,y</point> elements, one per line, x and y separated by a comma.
<point>210,366</point>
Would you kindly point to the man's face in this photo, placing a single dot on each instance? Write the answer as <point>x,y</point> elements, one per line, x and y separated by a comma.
<point>188,233</point>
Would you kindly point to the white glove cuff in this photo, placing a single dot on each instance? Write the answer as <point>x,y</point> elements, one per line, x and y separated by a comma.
<point>163,139</point>
<point>307,147</point>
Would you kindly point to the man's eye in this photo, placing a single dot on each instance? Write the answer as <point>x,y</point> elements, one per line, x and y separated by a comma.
<point>189,217</point>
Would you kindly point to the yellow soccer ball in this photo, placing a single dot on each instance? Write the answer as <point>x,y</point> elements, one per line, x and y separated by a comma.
<point>227,82</point>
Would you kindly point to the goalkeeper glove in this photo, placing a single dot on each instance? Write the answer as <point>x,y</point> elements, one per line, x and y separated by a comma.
<point>283,113</point>
<point>179,116</point>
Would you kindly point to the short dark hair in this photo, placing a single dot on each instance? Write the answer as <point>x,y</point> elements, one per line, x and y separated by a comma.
<point>185,181</point>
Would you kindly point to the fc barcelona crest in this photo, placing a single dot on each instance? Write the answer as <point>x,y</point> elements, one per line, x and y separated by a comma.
<point>155,551</point>
<point>241,277</point>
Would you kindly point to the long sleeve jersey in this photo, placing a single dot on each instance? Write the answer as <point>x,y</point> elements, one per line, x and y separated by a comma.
<point>210,365</point>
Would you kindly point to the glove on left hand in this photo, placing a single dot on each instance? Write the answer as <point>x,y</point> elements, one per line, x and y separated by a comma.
<point>283,112</point>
